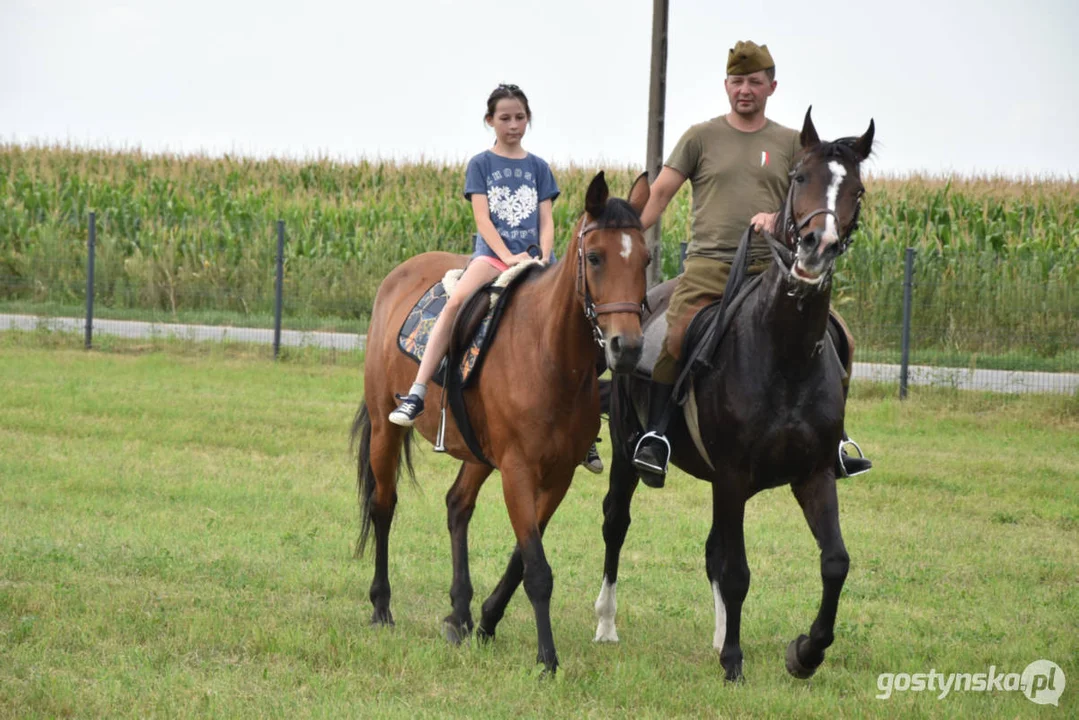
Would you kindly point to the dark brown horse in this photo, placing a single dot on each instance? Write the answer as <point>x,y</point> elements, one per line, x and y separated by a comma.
<point>769,413</point>
<point>534,409</point>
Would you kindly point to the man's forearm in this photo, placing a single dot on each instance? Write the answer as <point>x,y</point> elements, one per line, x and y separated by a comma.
<point>653,209</point>
<point>661,191</point>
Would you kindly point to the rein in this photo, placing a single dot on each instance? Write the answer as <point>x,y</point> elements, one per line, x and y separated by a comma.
<point>592,311</point>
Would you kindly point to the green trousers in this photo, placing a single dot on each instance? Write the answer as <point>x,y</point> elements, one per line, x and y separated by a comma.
<point>703,281</point>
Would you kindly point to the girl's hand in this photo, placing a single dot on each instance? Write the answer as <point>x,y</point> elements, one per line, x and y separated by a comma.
<point>518,258</point>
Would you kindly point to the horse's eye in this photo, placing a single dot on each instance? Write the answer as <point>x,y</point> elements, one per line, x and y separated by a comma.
<point>799,178</point>
<point>593,259</point>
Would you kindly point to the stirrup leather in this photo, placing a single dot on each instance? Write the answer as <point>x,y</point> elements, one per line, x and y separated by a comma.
<point>645,466</point>
<point>842,465</point>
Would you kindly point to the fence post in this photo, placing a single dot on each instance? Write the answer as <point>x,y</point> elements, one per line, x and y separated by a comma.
<point>90,243</point>
<point>278,289</point>
<point>908,285</point>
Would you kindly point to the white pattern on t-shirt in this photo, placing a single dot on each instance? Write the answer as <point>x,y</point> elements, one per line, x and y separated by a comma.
<point>512,209</point>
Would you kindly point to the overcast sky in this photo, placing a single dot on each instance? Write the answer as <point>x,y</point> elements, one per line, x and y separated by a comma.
<point>967,86</point>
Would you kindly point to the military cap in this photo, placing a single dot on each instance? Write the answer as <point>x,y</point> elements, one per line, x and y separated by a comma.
<point>748,57</point>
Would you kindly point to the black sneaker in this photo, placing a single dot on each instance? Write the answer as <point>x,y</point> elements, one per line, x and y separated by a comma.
<point>592,461</point>
<point>405,415</point>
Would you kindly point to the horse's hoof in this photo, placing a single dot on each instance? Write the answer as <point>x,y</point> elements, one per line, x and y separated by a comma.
<point>794,665</point>
<point>734,673</point>
<point>606,632</point>
<point>484,636</point>
<point>382,618</point>
<point>549,671</point>
<point>455,632</point>
<point>606,638</point>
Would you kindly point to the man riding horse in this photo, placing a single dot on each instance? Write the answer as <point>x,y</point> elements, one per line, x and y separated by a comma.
<point>739,166</point>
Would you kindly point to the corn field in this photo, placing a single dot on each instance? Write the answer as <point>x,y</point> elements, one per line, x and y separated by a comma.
<point>997,259</point>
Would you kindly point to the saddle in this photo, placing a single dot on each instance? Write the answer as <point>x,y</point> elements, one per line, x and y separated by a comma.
<point>701,325</point>
<point>655,328</point>
<point>474,330</point>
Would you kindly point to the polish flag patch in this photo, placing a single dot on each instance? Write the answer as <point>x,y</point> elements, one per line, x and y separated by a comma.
<point>764,158</point>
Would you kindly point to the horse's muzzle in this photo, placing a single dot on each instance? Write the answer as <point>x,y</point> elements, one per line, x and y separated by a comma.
<point>813,258</point>
<point>623,352</point>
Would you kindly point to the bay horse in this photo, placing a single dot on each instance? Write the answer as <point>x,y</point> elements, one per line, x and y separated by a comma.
<point>770,411</point>
<point>534,408</point>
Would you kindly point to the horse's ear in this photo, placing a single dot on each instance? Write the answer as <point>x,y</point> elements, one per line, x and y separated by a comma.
<point>809,133</point>
<point>638,194</point>
<point>864,145</point>
<point>595,200</point>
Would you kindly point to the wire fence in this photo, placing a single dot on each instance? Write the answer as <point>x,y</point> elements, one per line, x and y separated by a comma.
<point>912,325</point>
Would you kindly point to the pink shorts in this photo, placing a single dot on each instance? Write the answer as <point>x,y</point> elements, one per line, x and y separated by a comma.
<point>493,262</point>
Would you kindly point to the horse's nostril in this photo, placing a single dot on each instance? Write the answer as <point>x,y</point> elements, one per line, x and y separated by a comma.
<point>615,343</point>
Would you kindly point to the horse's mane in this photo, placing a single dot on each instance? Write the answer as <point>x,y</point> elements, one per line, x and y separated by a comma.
<point>618,213</point>
<point>843,149</point>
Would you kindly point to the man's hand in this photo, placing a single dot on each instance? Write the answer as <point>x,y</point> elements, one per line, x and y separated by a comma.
<point>764,221</point>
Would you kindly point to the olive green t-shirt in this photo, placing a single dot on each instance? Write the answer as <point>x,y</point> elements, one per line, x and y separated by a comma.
<point>734,175</point>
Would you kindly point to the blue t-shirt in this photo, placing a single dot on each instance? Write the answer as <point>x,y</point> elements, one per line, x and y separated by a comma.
<point>514,190</point>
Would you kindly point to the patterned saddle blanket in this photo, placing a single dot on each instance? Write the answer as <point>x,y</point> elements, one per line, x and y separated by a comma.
<point>416,329</point>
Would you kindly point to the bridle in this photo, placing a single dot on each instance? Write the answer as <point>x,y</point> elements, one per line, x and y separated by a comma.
<point>592,311</point>
<point>792,230</point>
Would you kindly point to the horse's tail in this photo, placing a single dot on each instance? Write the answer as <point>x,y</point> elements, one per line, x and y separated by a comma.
<point>365,476</point>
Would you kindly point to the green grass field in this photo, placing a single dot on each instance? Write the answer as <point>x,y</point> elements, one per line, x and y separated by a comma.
<point>176,535</point>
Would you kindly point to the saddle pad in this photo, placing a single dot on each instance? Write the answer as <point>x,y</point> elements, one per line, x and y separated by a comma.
<point>655,332</point>
<point>654,326</point>
<point>416,329</point>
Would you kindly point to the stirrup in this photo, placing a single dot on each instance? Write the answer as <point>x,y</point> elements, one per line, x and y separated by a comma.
<point>842,465</point>
<point>646,466</point>
<point>440,438</point>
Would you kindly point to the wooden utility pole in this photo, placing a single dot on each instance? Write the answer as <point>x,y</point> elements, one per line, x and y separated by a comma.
<point>657,94</point>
